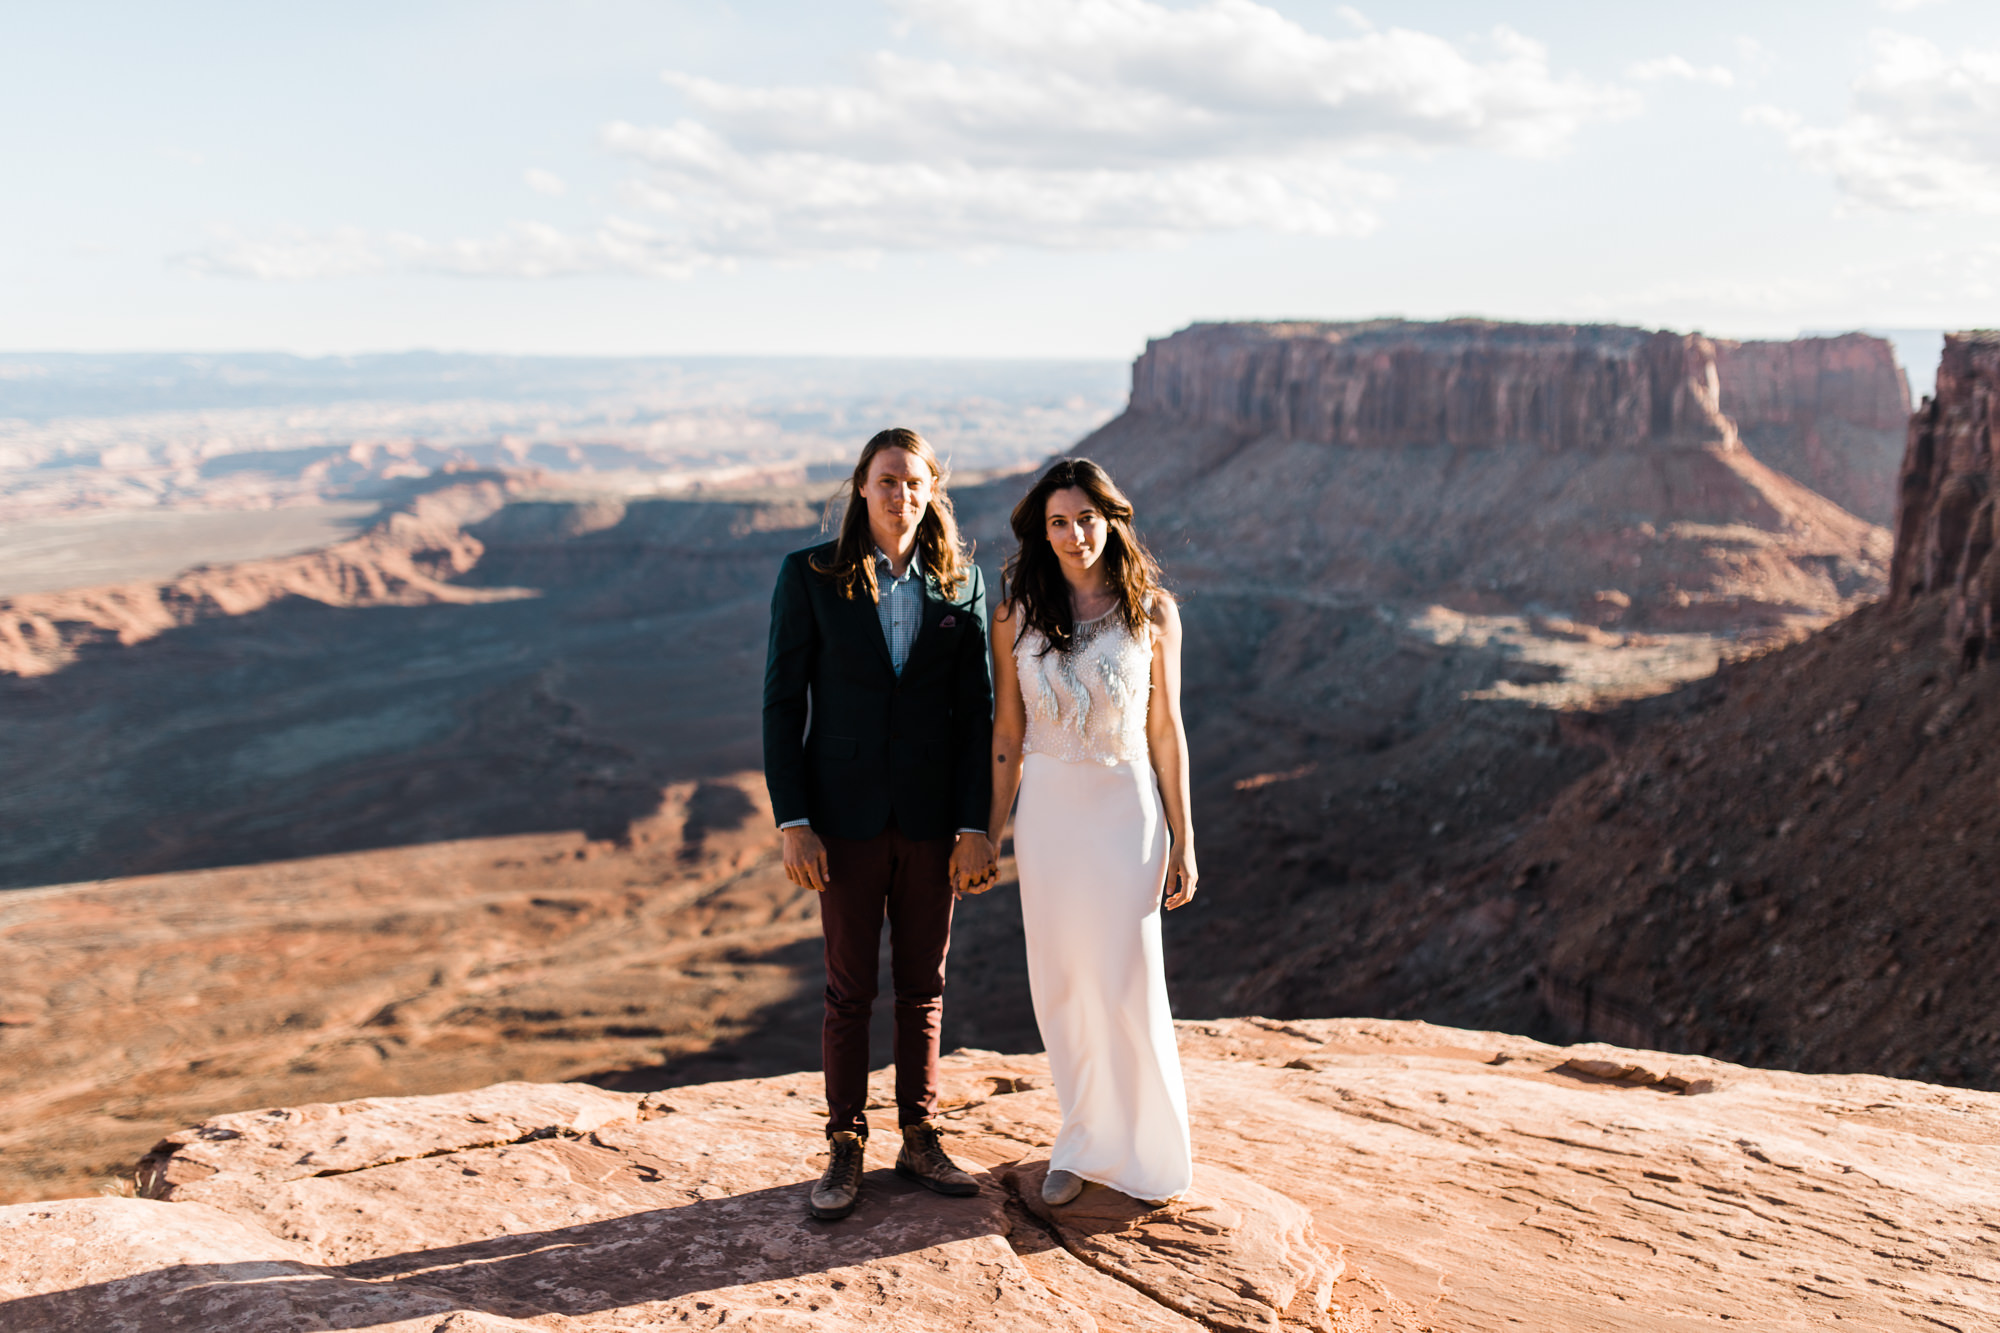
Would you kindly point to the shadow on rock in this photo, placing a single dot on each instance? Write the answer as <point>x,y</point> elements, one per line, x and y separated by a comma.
<point>646,1258</point>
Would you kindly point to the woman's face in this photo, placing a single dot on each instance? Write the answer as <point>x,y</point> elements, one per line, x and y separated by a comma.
<point>1074,528</point>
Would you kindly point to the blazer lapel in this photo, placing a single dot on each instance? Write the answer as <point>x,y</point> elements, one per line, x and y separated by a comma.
<point>927,609</point>
<point>867,622</point>
<point>935,608</point>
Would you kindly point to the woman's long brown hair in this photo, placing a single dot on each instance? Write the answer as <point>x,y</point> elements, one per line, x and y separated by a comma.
<point>939,548</point>
<point>1032,580</point>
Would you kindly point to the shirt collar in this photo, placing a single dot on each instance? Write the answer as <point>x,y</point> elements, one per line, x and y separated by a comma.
<point>909,571</point>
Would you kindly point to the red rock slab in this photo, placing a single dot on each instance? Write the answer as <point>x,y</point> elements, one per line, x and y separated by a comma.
<point>608,1239</point>
<point>1359,1175</point>
<point>1116,1306</point>
<point>140,1266</point>
<point>237,1158</point>
<point>693,1217</point>
<point>1230,1253</point>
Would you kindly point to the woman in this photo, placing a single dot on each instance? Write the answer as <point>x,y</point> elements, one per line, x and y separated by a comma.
<point>1087,725</point>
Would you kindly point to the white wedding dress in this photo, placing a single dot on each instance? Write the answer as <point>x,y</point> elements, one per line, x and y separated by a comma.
<point>1091,847</point>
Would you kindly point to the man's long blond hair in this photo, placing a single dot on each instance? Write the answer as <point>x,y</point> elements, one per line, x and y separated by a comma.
<point>939,548</point>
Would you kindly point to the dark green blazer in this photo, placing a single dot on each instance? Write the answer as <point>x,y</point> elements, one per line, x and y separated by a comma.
<point>914,746</point>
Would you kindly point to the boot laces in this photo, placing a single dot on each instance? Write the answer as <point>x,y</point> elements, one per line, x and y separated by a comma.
<point>926,1147</point>
<point>844,1171</point>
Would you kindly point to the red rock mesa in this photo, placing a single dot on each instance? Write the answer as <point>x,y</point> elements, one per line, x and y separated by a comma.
<point>1589,472</point>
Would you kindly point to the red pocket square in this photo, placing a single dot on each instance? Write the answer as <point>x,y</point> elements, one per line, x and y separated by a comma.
<point>947,622</point>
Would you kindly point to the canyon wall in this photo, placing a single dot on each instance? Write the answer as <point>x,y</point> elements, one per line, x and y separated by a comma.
<point>1946,524</point>
<point>1790,863</point>
<point>1828,412</point>
<point>1476,383</point>
<point>1582,472</point>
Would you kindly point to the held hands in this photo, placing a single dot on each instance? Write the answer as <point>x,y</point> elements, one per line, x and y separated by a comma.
<point>1181,875</point>
<point>974,867</point>
<point>805,858</point>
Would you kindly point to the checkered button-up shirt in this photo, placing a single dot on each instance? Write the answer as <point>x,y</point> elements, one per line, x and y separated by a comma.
<point>900,606</point>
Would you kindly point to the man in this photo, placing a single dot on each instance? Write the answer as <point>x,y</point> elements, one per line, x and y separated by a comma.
<point>878,706</point>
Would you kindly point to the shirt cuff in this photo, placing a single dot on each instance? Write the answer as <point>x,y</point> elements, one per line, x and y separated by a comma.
<point>794,823</point>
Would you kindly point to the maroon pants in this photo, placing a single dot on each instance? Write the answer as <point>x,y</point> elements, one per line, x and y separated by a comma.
<point>910,883</point>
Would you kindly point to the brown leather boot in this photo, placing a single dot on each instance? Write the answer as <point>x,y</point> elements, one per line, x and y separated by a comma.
<point>923,1161</point>
<point>840,1188</point>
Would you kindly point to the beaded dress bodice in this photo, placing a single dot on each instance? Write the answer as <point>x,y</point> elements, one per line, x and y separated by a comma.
<point>1087,705</point>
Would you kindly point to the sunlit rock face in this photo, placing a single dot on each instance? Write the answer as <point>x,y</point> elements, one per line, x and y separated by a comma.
<point>1476,383</point>
<point>1585,472</point>
<point>1946,523</point>
<point>1828,412</point>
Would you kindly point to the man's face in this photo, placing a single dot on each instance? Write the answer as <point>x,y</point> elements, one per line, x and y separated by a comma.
<point>898,491</point>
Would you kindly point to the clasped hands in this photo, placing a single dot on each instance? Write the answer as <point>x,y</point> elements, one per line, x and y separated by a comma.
<point>975,867</point>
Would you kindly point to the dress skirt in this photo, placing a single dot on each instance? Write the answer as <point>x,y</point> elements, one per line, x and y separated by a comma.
<point>1090,844</point>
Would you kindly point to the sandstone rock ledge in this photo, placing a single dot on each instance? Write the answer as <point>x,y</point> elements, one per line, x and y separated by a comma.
<point>1354,1175</point>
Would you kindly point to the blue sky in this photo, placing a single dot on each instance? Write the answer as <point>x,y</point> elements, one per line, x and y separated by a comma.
<point>982,177</point>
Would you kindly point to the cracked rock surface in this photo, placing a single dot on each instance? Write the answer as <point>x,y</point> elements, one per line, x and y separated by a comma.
<point>1352,1175</point>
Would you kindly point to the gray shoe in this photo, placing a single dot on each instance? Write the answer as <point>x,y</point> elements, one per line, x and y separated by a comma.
<point>923,1161</point>
<point>840,1188</point>
<point>1059,1187</point>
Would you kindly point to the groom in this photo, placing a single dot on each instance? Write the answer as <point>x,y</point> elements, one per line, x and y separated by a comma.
<point>878,707</point>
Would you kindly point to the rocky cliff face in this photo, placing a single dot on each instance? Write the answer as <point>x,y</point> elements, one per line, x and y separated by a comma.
<point>1947,529</point>
<point>1585,472</point>
<point>1793,862</point>
<point>1468,383</point>
<point>1351,1177</point>
<point>1829,412</point>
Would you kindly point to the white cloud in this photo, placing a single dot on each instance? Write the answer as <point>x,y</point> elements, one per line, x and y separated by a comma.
<point>523,250</point>
<point>289,254</point>
<point>535,250</point>
<point>1677,67</point>
<point>545,183</point>
<point>1922,133</point>
<point>1905,6</point>
<point>1051,124</point>
<point>1091,123</point>
<point>778,205</point>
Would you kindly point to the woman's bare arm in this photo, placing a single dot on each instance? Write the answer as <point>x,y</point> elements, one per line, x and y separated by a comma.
<point>1010,725</point>
<point>1166,744</point>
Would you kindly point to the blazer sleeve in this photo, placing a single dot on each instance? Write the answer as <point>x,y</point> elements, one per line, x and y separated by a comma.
<point>972,716</point>
<point>788,666</point>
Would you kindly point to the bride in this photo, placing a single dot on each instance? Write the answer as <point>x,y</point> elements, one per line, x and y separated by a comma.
<point>1086,648</point>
